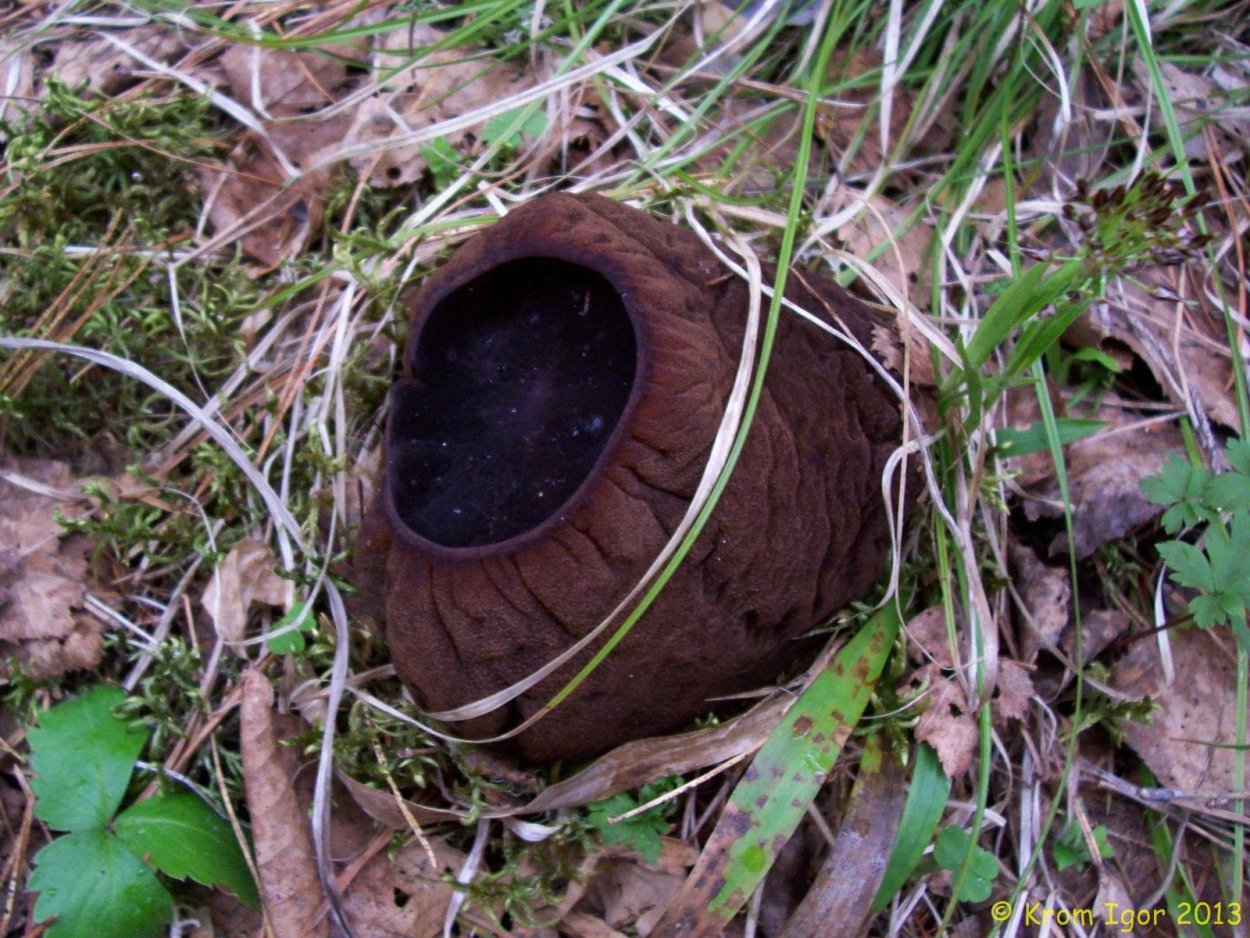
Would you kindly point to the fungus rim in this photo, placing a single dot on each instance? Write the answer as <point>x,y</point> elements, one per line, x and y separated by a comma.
<point>426,301</point>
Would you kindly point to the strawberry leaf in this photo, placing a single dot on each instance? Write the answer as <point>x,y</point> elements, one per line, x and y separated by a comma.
<point>83,757</point>
<point>93,885</point>
<point>182,837</point>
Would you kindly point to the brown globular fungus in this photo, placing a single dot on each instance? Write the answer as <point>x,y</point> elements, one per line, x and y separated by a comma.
<point>564,376</point>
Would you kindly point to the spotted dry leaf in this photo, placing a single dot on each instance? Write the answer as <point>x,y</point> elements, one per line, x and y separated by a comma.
<point>1012,691</point>
<point>402,894</point>
<point>44,622</point>
<point>876,226</point>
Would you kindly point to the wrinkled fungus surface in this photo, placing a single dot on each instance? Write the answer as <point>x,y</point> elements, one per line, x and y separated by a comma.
<point>519,378</point>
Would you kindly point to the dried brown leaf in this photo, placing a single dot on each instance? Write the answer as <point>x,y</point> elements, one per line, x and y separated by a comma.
<point>281,835</point>
<point>583,925</point>
<point>1180,742</point>
<point>420,89</point>
<point>850,125</point>
<point>900,257</point>
<point>103,66</point>
<point>927,629</point>
<point>246,576</point>
<point>1104,481</point>
<point>402,896</point>
<point>644,760</point>
<point>283,82</point>
<point>1163,315</point>
<point>629,894</point>
<point>384,808</point>
<point>1012,691</point>
<point>947,725</point>
<point>251,198</point>
<point>1046,594</point>
<point>17,80</point>
<point>44,624</point>
<point>1200,104</point>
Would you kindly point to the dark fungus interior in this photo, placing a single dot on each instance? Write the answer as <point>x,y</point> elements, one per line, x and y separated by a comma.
<point>518,379</point>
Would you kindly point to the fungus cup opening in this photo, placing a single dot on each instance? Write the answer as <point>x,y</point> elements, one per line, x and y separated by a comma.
<point>518,380</point>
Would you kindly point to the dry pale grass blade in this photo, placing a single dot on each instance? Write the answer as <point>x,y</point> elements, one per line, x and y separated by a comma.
<point>285,857</point>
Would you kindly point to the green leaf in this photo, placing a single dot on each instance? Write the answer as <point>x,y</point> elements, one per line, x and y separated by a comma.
<point>1229,491</point>
<point>1013,442</point>
<point>641,833</point>
<point>182,837</point>
<point>500,128</point>
<point>83,757</point>
<point>1238,453</point>
<point>95,886</point>
<point>1183,486</point>
<point>443,160</point>
<point>1189,565</point>
<point>293,641</point>
<point>949,850</point>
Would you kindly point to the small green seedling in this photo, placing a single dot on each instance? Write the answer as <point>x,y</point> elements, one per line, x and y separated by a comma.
<point>99,878</point>
<point>1220,568</point>
<point>949,850</point>
<point>443,160</point>
<point>299,620</point>
<point>641,832</point>
<point>505,130</point>
<point>1071,849</point>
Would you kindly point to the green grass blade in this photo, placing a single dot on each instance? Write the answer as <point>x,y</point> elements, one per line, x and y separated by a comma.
<point>925,801</point>
<point>781,783</point>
